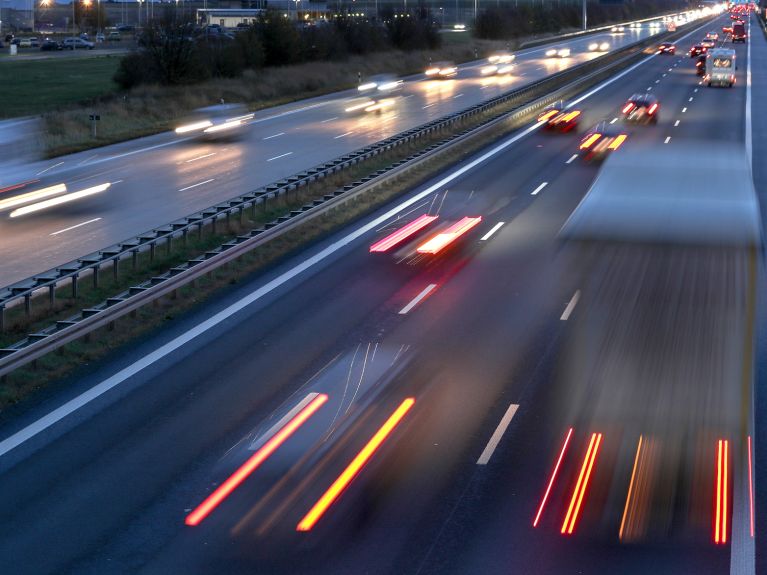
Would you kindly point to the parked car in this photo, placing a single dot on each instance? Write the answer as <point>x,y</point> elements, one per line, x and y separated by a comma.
<point>49,45</point>
<point>114,36</point>
<point>100,37</point>
<point>75,43</point>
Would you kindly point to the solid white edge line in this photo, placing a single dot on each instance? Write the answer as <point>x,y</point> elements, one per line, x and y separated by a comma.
<point>494,229</point>
<point>572,159</point>
<point>272,431</point>
<point>495,439</point>
<point>571,306</point>
<point>195,185</point>
<point>48,168</point>
<point>417,299</point>
<point>75,226</point>
<point>100,389</point>
<point>537,190</point>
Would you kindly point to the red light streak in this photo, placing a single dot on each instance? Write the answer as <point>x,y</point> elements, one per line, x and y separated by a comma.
<point>580,487</point>
<point>750,487</point>
<point>652,109</point>
<point>553,476</point>
<point>442,240</point>
<point>546,115</point>
<point>628,107</point>
<point>722,497</point>
<point>253,462</point>
<point>17,186</point>
<point>402,234</point>
<point>351,471</point>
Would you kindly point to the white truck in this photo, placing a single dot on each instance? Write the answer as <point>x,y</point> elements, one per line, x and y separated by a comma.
<point>720,67</point>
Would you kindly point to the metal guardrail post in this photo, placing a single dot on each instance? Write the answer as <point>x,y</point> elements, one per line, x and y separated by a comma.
<point>74,286</point>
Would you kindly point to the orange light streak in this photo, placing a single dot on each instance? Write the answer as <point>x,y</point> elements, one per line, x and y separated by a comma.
<point>631,488</point>
<point>580,487</point>
<point>553,476</point>
<point>253,462</point>
<point>351,471</point>
<point>616,143</point>
<point>586,144</point>
<point>442,240</point>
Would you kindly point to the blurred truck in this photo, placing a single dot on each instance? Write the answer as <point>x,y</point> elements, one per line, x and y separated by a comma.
<point>720,67</point>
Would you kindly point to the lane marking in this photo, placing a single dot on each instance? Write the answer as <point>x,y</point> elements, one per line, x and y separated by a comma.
<point>343,135</point>
<point>280,156</point>
<point>537,190</point>
<point>429,105</point>
<point>457,96</point>
<point>86,160</point>
<point>690,100</point>
<point>695,90</point>
<point>664,74</point>
<point>571,305</point>
<point>495,439</point>
<point>329,120</point>
<point>66,409</point>
<point>676,123</point>
<point>195,185</point>
<point>200,158</point>
<point>749,144</point>
<point>649,88</point>
<point>489,234</point>
<point>572,159</point>
<point>274,136</point>
<point>417,299</point>
<point>41,172</point>
<point>657,81</point>
<point>684,110</point>
<point>613,120</point>
<point>76,226</point>
<point>667,140</point>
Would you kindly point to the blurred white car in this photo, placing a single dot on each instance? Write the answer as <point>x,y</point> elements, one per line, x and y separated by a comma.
<point>499,63</point>
<point>222,121</point>
<point>617,29</point>
<point>380,84</point>
<point>441,70</point>
<point>599,46</point>
<point>558,53</point>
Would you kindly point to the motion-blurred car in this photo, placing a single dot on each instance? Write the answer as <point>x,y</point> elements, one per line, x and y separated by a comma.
<point>617,30</point>
<point>100,37</point>
<point>600,141</point>
<point>559,118</point>
<point>726,29</point>
<point>697,50</point>
<point>114,36</point>
<point>667,48</point>
<point>708,44</point>
<point>558,53</point>
<point>599,46</point>
<point>713,36</point>
<point>700,65</point>
<point>49,45</point>
<point>219,122</point>
<point>380,84</point>
<point>499,63</point>
<point>635,25</point>
<point>78,43</point>
<point>641,108</point>
<point>441,70</point>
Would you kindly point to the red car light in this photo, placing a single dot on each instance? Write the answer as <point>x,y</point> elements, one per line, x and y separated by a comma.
<point>652,109</point>
<point>628,107</point>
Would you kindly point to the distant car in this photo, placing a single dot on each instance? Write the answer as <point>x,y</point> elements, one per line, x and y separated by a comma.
<point>499,63</point>
<point>558,52</point>
<point>739,33</point>
<point>713,36</point>
<point>641,108</point>
<point>49,45</point>
<point>599,46</point>
<point>697,50</point>
<point>559,118</point>
<point>667,48</point>
<point>700,65</point>
<point>78,43</point>
<point>114,36</point>
<point>441,70</point>
<point>219,122</point>
<point>600,141</point>
<point>100,37</point>
<point>708,44</point>
<point>617,30</point>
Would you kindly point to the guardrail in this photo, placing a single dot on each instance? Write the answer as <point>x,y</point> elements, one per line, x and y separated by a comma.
<point>62,332</point>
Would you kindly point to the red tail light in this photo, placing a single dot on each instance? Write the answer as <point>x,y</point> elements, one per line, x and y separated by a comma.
<point>628,107</point>
<point>652,109</point>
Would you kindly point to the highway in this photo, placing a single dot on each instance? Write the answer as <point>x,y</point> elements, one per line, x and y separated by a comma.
<point>163,178</point>
<point>437,385</point>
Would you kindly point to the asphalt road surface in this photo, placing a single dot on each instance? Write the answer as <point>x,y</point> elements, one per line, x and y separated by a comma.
<point>434,384</point>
